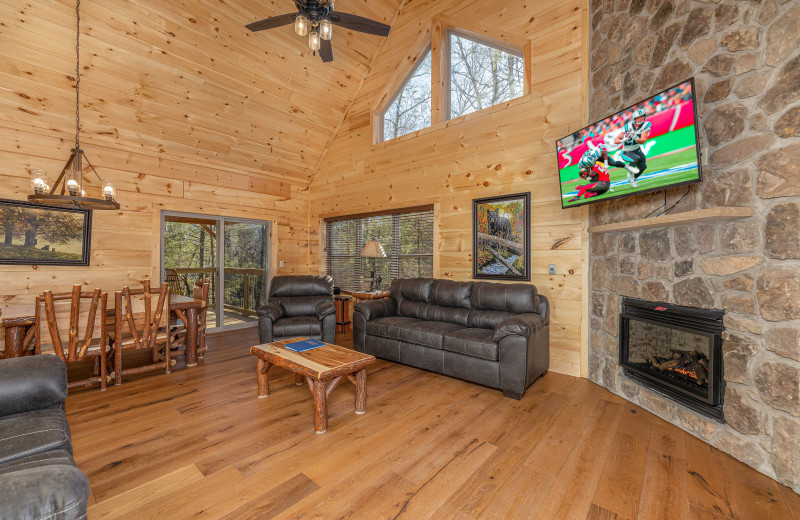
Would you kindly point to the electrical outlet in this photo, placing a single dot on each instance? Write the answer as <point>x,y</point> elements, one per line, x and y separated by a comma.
<point>704,156</point>
<point>282,263</point>
<point>552,268</point>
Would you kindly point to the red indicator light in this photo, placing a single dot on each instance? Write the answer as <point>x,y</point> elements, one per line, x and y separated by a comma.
<point>661,308</point>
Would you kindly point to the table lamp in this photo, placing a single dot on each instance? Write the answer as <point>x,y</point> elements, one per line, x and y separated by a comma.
<point>373,249</point>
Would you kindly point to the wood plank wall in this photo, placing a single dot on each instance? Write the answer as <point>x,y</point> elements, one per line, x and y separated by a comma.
<point>177,129</point>
<point>504,150</point>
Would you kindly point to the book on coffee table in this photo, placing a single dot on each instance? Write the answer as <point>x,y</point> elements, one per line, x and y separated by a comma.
<point>302,346</point>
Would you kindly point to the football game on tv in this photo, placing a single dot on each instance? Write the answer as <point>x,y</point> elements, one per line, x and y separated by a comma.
<point>649,146</point>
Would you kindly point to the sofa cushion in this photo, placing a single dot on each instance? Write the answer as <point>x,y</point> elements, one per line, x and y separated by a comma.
<point>46,458</point>
<point>410,330</point>
<point>55,492</point>
<point>297,326</point>
<point>33,432</point>
<point>518,298</point>
<point>472,342</point>
<point>486,319</point>
<point>431,312</point>
<point>451,294</point>
<point>417,289</point>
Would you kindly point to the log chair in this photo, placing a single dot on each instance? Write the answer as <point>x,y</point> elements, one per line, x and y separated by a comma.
<point>52,309</point>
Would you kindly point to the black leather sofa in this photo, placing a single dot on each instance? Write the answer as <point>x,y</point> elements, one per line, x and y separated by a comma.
<point>493,334</point>
<point>299,305</point>
<point>38,477</point>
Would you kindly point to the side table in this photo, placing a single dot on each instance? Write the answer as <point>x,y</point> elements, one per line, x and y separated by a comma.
<point>342,301</point>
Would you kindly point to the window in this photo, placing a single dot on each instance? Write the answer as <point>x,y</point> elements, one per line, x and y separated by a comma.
<point>406,237</point>
<point>410,110</point>
<point>481,74</point>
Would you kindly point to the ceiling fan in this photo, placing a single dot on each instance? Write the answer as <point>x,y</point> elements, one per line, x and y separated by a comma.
<point>317,19</point>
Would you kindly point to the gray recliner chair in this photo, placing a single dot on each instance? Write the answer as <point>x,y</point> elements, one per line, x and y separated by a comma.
<point>299,305</point>
<point>38,477</point>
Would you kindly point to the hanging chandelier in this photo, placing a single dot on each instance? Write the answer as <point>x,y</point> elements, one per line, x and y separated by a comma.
<point>70,181</point>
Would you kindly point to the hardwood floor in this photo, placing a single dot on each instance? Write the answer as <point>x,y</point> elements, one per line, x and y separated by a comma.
<point>198,443</point>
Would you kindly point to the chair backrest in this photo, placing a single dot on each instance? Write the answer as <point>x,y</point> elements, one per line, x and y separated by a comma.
<point>200,292</point>
<point>61,318</point>
<point>299,294</point>
<point>135,313</point>
<point>171,278</point>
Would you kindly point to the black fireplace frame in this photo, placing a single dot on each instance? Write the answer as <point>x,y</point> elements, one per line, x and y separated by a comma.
<point>706,322</point>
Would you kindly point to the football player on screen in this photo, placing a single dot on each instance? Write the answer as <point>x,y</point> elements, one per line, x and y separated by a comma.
<point>595,172</point>
<point>634,135</point>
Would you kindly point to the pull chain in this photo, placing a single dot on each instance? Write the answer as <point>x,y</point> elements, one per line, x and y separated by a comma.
<point>78,75</point>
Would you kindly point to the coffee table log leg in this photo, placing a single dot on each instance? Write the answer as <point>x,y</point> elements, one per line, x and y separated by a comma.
<point>299,379</point>
<point>320,406</point>
<point>263,378</point>
<point>361,391</point>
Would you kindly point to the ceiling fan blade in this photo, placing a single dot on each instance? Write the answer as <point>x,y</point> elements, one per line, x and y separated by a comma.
<point>271,23</point>
<point>360,24</point>
<point>326,51</point>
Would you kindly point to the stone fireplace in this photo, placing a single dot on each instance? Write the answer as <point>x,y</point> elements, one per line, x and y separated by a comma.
<point>745,58</point>
<point>675,350</point>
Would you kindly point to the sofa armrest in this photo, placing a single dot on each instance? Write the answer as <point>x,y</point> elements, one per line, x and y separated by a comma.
<point>31,383</point>
<point>325,308</point>
<point>372,309</point>
<point>525,325</point>
<point>57,491</point>
<point>273,311</point>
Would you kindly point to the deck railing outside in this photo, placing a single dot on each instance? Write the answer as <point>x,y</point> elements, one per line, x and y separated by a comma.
<point>244,298</point>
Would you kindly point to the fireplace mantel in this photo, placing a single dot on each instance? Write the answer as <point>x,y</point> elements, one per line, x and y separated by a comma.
<point>700,215</point>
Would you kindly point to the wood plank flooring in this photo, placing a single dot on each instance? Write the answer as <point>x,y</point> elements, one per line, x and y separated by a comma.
<point>197,443</point>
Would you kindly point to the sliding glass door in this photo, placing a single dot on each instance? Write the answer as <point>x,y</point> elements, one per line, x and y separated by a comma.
<point>232,254</point>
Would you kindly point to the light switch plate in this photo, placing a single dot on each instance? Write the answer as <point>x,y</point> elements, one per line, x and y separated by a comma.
<point>282,263</point>
<point>552,268</point>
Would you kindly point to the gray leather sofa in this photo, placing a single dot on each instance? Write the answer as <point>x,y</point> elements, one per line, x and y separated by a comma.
<point>300,305</point>
<point>493,334</point>
<point>38,477</point>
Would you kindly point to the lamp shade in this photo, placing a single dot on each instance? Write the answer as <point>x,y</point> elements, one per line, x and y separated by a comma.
<point>373,249</point>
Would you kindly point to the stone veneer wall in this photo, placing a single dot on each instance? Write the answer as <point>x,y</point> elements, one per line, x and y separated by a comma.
<point>745,59</point>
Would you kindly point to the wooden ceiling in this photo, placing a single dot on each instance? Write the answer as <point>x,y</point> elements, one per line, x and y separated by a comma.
<point>184,78</point>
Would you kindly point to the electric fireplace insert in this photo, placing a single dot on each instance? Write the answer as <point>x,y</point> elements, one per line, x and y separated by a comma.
<point>675,350</point>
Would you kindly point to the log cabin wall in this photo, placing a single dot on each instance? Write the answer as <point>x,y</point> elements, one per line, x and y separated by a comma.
<point>501,150</point>
<point>176,126</point>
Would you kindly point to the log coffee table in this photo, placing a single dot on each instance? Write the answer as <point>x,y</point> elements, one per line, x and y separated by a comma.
<point>322,368</point>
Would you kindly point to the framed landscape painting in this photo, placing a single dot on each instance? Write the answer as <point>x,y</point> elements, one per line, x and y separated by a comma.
<point>33,234</point>
<point>501,237</point>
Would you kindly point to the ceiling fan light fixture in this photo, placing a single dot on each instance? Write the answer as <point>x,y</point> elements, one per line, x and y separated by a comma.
<point>301,25</point>
<point>325,29</point>
<point>313,40</point>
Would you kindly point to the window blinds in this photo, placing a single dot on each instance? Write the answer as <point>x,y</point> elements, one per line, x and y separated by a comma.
<point>406,237</point>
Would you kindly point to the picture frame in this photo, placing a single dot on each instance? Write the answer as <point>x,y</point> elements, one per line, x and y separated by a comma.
<point>36,234</point>
<point>501,248</point>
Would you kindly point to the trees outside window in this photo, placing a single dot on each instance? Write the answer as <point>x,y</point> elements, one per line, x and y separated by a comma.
<point>410,110</point>
<point>482,75</point>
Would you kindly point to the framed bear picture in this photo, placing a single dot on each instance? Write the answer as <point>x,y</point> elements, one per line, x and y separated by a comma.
<point>501,237</point>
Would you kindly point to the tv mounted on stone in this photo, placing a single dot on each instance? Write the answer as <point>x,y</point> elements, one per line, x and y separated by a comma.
<point>649,146</point>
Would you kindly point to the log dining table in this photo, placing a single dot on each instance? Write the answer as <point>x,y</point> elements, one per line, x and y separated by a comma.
<point>19,330</point>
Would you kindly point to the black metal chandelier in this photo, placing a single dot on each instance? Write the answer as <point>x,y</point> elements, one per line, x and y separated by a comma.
<point>70,181</point>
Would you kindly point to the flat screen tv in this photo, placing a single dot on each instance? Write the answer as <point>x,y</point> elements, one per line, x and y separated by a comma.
<point>650,146</point>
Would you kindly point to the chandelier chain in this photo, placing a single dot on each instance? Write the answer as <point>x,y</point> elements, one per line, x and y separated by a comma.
<point>77,75</point>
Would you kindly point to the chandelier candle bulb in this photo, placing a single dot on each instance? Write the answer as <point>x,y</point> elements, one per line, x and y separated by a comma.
<point>301,25</point>
<point>313,41</point>
<point>325,29</point>
<point>108,189</point>
<point>39,181</point>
